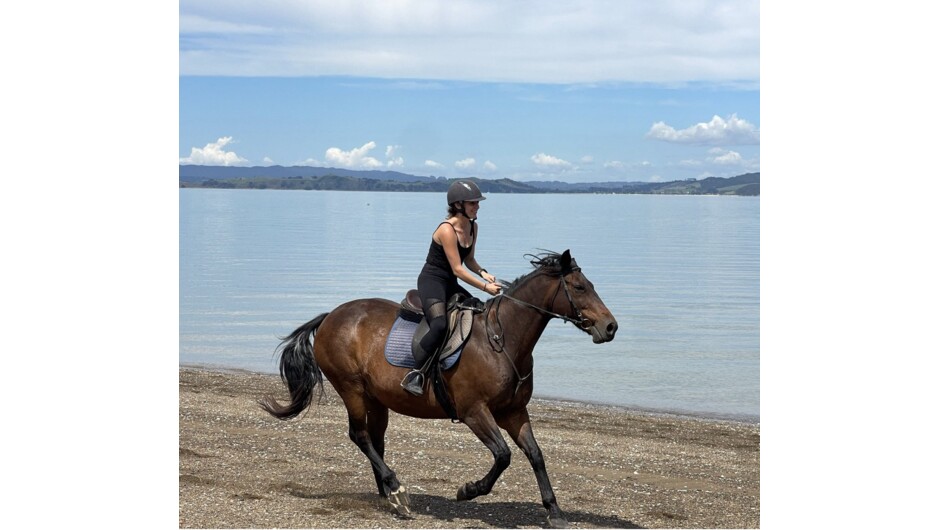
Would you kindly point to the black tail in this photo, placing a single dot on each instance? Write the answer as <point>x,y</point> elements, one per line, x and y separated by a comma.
<point>299,371</point>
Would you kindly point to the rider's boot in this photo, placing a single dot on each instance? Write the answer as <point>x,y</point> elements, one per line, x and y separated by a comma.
<point>414,380</point>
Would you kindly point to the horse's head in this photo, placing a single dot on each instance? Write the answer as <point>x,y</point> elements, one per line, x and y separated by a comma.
<point>582,303</point>
<point>573,297</point>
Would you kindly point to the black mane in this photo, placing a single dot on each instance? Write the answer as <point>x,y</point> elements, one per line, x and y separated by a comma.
<point>546,262</point>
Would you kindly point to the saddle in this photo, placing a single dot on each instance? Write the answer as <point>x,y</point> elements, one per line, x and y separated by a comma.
<point>459,320</point>
<point>460,312</point>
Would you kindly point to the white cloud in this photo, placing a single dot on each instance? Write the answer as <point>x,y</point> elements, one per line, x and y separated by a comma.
<point>489,167</point>
<point>587,159</point>
<point>522,41</point>
<point>434,165</point>
<point>614,164</point>
<point>733,131</point>
<point>213,154</point>
<point>212,24</point>
<point>724,158</point>
<point>550,162</point>
<point>392,160</point>
<point>466,164</point>
<point>267,161</point>
<point>720,162</point>
<point>732,160</point>
<point>355,158</point>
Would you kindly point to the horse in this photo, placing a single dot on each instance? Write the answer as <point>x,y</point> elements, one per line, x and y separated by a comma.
<point>490,386</point>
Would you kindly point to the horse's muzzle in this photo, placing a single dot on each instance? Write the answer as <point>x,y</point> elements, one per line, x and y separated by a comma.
<point>603,331</point>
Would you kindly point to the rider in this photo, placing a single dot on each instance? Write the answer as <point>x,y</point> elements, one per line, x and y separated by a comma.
<point>450,256</point>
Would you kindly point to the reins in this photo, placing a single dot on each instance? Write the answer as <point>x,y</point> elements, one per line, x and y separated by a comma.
<point>579,321</point>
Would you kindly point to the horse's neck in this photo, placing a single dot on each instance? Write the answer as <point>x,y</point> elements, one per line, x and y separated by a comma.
<point>522,325</point>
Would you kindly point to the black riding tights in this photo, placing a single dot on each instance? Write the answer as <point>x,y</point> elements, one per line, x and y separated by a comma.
<point>434,293</point>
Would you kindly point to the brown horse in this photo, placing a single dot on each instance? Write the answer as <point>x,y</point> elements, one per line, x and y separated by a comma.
<point>490,385</point>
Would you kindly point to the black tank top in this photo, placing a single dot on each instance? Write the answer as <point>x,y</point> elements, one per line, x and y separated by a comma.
<point>437,259</point>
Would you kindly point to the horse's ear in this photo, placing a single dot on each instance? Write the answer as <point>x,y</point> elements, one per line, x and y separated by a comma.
<point>565,260</point>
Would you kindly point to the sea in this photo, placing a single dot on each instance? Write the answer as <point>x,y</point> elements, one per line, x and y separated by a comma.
<point>681,274</point>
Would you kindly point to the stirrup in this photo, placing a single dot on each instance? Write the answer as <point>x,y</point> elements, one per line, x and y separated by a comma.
<point>414,383</point>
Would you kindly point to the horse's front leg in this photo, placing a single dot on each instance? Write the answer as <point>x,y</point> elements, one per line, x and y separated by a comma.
<point>520,430</point>
<point>483,425</point>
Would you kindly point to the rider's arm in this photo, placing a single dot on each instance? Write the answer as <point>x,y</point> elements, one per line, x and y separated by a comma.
<point>447,237</point>
<point>471,261</point>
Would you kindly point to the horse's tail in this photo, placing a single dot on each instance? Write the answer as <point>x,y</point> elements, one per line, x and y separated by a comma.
<point>299,371</point>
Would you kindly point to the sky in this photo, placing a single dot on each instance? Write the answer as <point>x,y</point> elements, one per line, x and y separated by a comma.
<point>581,91</point>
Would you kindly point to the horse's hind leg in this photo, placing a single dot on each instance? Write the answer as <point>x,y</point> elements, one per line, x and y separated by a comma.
<point>376,423</point>
<point>359,432</point>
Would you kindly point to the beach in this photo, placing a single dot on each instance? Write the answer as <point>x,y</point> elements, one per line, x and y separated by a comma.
<point>610,467</point>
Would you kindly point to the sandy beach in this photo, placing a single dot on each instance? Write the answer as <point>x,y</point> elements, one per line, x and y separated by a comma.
<point>611,467</point>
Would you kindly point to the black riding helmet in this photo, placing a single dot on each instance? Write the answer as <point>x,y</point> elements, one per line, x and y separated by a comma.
<point>464,190</point>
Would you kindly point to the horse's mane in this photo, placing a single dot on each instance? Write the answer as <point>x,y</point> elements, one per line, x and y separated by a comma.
<point>545,262</point>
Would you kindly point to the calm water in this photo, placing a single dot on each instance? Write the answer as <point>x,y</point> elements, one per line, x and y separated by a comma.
<point>680,274</point>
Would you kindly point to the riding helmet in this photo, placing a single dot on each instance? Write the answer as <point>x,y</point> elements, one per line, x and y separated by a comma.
<point>464,190</point>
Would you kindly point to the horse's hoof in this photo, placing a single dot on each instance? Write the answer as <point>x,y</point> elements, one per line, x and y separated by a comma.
<point>462,494</point>
<point>400,501</point>
<point>557,522</point>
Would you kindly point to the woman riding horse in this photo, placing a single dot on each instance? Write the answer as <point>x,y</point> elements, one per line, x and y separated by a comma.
<point>451,256</point>
<point>490,386</point>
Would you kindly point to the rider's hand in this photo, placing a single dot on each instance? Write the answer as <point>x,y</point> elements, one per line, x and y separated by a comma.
<point>488,277</point>
<point>492,288</point>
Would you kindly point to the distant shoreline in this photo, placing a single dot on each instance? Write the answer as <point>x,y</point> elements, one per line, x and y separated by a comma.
<point>747,185</point>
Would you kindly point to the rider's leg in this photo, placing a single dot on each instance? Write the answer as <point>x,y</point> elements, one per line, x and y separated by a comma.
<point>433,292</point>
<point>437,328</point>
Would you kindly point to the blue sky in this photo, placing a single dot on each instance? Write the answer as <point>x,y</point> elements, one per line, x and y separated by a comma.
<point>573,91</point>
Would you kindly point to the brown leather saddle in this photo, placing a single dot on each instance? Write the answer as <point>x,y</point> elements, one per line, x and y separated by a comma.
<point>459,321</point>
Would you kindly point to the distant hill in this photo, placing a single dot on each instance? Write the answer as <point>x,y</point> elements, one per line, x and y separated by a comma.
<point>574,187</point>
<point>318,178</point>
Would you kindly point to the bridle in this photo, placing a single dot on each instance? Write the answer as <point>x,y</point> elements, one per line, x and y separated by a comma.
<point>497,340</point>
<point>579,319</point>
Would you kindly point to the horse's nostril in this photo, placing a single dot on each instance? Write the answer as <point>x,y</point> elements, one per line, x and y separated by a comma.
<point>611,328</point>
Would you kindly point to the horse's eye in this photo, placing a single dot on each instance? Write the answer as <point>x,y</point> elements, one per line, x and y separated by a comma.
<point>578,287</point>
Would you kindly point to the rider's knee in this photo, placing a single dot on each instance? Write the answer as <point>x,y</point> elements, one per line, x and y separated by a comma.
<point>437,326</point>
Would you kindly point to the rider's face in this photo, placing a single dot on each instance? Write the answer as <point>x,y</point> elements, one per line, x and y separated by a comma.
<point>471,207</point>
